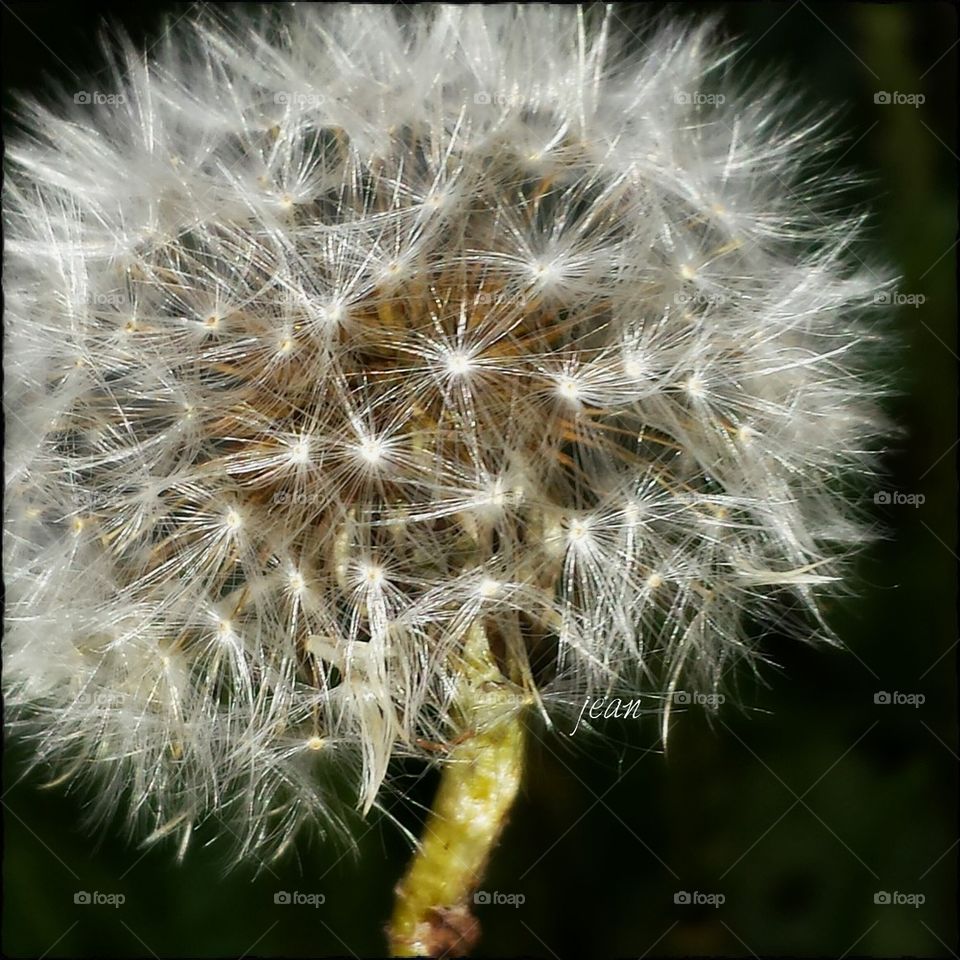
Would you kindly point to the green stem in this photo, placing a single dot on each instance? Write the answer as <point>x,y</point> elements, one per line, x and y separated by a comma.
<point>480,779</point>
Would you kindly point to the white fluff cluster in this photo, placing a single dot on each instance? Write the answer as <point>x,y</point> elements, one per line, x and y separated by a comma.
<point>335,331</point>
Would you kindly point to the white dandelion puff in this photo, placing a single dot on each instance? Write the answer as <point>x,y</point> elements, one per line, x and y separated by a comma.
<point>343,330</point>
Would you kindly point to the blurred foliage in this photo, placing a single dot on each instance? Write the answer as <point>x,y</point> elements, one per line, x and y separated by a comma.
<point>798,806</point>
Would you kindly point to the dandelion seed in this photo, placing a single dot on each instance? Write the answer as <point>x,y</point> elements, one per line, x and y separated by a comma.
<point>569,390</point>
<point>296,582</point>
<point>300,451</point>
<point>579,530</point>
<point>695,387</point>
<point>232,520</point>
<point>371,451</point>
<point>458,363</point>
<point>489,588</point>
<point>371,574</point>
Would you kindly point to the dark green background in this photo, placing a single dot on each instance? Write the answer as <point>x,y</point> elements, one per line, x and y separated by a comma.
<point>798,805</point>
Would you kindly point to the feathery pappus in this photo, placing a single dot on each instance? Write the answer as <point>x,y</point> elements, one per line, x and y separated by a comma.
<point>338,333</point>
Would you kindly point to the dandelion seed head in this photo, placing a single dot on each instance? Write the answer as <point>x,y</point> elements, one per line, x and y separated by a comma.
<point>481,328</point>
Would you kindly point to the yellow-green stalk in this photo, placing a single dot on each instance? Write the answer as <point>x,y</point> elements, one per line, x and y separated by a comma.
<point>480,780</point>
